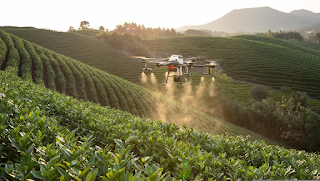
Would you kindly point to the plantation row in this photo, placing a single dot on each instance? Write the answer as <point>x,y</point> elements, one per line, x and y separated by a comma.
<point>255,61</point>
<point>88,50</point>
<point>291,45</point>
<point>68,76</point>
<point>49,136</point>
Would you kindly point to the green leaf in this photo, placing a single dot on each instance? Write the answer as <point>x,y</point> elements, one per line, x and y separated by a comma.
<point>119,143</point>
<point>92,176</point>
<point>61,171</point>
<point>84,172</point>
<point>37,174</point>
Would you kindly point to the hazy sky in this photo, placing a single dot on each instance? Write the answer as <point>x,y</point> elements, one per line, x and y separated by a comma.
<point>60,14</point>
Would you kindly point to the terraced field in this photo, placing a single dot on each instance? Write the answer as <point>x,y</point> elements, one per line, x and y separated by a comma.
<point>71,77</point>
<point>289,44</point>
<point>311,45</point>
<point>259,62</point>
<point>49,136</point>
<point>85,49</point>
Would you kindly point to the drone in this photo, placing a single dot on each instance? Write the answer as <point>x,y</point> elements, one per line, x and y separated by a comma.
<point>177,67</point>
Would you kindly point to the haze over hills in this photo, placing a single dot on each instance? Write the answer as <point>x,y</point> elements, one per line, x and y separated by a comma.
<point>259,20</point>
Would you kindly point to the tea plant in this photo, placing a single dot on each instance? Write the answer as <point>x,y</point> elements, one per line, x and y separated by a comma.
<point>50,136</point>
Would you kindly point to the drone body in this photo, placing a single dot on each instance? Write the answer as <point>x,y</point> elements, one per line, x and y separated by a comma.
<point>177,68</point>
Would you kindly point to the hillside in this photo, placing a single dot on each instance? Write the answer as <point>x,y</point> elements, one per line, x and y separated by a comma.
<point>295,45</point>
<point>258,20</point>
<point>71,77</point>
<point>85,49</point>
<point>271,64</point>
<point>50,136</point>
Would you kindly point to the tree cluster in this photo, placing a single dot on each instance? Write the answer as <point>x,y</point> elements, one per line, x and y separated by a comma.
<point>144,32</point>
<point>284,35</point>
<point>288,120</point>
<point>193,32</point>
<point>127,42</point>
<point>318,37</point>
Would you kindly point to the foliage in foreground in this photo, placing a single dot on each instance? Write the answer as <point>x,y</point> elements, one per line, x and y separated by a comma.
<point>49,136</point>
<point>285,117</point>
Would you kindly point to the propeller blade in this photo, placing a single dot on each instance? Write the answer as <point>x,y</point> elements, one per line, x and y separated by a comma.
<point>137,57</point>
<point>214,60</point>
<point>199,65</point>
<point>147,61</point>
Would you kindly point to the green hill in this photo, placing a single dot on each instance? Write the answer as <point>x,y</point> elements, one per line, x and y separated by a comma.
<point>289,44</point>
<point>50,136</point>
<point>88,50</point>
<point>311,45</point>
<point>271,64</point>
<point>71,77</point>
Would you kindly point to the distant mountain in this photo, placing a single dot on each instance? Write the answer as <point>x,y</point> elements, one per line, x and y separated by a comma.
<point>314,17</point>
<point>259,20</point>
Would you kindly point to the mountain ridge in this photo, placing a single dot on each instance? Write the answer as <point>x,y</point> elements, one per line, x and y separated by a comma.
<point>259,19</point>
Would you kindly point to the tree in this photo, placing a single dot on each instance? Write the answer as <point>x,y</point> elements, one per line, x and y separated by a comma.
<point>101,28</point>
<point>318,37</point>
<point>259,93</point>
<point>71,28</point>
<point>84,25</point>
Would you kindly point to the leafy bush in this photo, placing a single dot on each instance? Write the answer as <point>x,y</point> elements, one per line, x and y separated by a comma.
<point>13,58</point>
<point>3,52</point>
<point>258,93</point>
<point>60,81</point>
<point>25,60</point>
<point>48,72</point>
<point>37,65</point>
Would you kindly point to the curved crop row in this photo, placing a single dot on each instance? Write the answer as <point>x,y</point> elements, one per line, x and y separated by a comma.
<point>60,81</point>
<point>88,50</point>
<point>25,61</point>
<point>3,52</point>
<point>37,66</point>
<point>70,82</point>
<point>49,75</point>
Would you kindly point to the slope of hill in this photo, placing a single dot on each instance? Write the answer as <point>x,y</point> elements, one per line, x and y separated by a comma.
<point>49,136</point>
<point>71,77</point>
<point>253,61</point>
<point>86,49</point>
<point>258,20</point>
<point>311,45</point>
<point>295,45</point>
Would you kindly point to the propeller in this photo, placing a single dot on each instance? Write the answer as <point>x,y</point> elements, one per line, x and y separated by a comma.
<point>214,61</point>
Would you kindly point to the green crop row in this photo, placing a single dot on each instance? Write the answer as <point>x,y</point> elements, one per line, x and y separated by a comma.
<point>37,66</point>
<point>26,63</point>
<point>60,81</point>
<point>88,50</point>
<point>49,74</point>
<point>3,52</point>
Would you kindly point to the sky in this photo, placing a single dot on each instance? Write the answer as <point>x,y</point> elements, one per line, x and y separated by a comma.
<point>59,15</point>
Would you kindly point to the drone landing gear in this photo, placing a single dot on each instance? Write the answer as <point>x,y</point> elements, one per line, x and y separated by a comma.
<point>178,78</point>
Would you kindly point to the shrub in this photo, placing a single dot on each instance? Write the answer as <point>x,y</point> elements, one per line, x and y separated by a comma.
<point>3,52</point>
<point>258,93</point>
